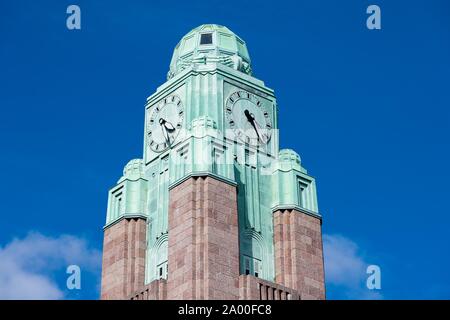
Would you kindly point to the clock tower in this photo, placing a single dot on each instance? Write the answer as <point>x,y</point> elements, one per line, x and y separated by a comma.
<point>213,210</point>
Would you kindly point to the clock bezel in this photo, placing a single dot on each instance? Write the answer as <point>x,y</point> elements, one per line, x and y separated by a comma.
<point>170,99</point>
<point>240,132</point>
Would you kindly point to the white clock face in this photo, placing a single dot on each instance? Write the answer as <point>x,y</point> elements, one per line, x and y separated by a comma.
<point>164,123</point>
<point>248,118</point>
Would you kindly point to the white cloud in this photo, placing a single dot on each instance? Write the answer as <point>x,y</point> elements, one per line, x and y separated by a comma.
<point>26,265</point>
<point>345,268</point>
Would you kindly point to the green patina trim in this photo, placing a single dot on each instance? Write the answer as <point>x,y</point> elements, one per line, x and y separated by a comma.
<point>297,208</point>
<point>180,78</point>
<point>121,183</point>
<point>202,174</point>
<point>125,216</point>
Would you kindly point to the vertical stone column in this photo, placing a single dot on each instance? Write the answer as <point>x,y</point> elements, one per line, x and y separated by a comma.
<point>203,240</point>
<point>299,253</point>
<point>123,265</point>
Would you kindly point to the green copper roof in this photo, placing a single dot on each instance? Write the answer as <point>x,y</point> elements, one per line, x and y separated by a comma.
<point>208,44</point>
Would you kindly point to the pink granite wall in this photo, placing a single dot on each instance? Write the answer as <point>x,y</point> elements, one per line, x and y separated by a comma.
<point>123,265</point>
<point>299,253</point>
<point>203,240</point>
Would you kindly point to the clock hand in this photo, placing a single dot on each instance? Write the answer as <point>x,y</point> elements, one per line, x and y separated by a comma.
<point>251,118</point>
<point>163,122</point>
<point>261,132</point>
<point>169,127</point>
<point>261,136</point>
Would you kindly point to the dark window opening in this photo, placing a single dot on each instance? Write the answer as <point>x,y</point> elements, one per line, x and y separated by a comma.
<point>206,38</point>
<point>247,272</point>
<point>160,271</point>
<point>256,274</point>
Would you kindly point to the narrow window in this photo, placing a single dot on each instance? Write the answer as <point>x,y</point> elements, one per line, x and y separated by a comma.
<point>206,38</point>
<point>161,270</point>
<point>302,194</point>
<point>256,269</point>
<point>118,206</point>
<point>247,266</point>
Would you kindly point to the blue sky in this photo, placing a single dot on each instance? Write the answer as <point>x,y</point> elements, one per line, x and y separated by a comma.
<point>368,111</point>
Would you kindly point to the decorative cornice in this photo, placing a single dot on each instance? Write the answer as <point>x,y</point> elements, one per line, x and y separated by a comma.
<point>125,216</point>
<point>121,183</point>
<point>202,174</point>
<point>297,208</point>
<point>178,80</point>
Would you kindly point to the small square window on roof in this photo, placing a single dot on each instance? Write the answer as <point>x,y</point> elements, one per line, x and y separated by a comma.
<point>206,38</point>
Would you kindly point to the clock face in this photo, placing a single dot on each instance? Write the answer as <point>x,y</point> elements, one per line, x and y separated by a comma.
<point>248,118</point>
<point>164,123</point>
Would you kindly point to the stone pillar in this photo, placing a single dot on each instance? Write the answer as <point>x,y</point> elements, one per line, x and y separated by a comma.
<point>123,269</point>
<point>299,253</point>
<point>203,240</point>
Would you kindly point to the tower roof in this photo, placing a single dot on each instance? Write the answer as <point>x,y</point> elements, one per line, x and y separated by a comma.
<point>210,43</point>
